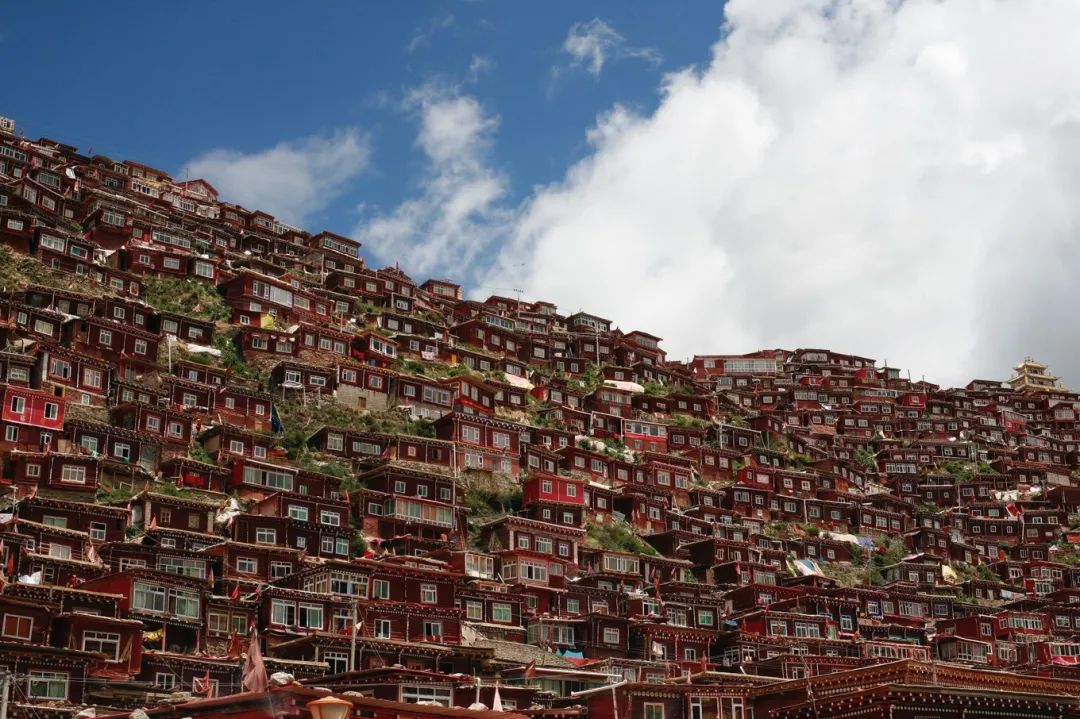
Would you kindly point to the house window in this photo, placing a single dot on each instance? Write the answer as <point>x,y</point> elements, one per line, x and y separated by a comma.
<point>501,613</point>
<point>92,378</point>
<point>148,597</point>
<point>122,450</point>
<point>429,594</point>
<point>217,623</point>
<point>247,565</point>
<point>380,589</point>
<point>107,643</point>
<point>337,661</point>
<point>330,518</point>
<point>17,626</point>
<point>654,711</point>
<point>298,512</point>
<point>48,685</point>
<point>611,635</point>
<point>59,551</point>
<point>73,474</point>
<point>184,603</point>
<point>311,616</point>
<point>283,613</point>
<point>105,337</point>
<point>97,531</point>
<point>383,628</point>
<point>433,631</point>
<point>265,535</point>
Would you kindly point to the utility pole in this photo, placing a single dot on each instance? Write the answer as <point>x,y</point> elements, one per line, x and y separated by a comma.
<point>352,650</point>
<point>5,690</point>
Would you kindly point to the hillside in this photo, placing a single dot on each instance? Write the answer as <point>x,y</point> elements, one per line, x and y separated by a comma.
<point>217,426</point>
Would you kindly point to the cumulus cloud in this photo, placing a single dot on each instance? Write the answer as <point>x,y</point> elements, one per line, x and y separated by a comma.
<point>291,180</point>
<point>457,210</point>
<point>891,179</point>
<point>592,43</point>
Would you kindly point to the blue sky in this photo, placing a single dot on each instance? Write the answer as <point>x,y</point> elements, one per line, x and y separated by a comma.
<point>163,87</point>
<point>853,174</point>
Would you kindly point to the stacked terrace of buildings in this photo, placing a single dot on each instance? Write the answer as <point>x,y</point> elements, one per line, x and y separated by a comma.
<point>213,425</point>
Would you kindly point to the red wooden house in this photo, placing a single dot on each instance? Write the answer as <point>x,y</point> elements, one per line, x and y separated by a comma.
<point>300,376</point>
<point>75,376</point>
<point>554,498</point>
<point>483,442</point>
<point>374,349</point>
<point>222,440</point>
<point>173,427</point>
<point>101,523</point>
<point>29,419</point>
<point>55,469</point>
<point>125,446</point>
<point>130,348</point>
<point>184,395</point>
<point>317,525</point>
<point>169,605</point>
<point>401,500</point>
<point>38,323</point>
<point>244,406</point>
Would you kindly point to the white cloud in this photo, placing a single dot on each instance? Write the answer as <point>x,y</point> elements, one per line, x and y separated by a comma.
<point>478,66</point>
<point>457,210</point>
<point>423,34</point>
<point>884,178</point>
<point>592,43</point>
<point>290,180</point>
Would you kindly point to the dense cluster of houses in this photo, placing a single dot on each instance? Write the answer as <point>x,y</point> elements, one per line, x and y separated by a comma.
<point>218,430</point>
